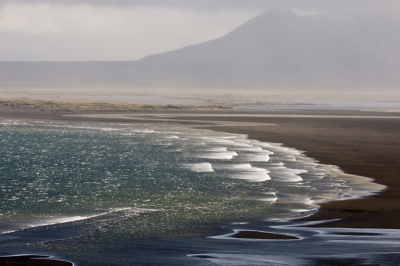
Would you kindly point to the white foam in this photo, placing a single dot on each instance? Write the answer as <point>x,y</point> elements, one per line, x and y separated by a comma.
<point>255,157</point>
<point>290,158</point>
<point>223,155</point>
<point>220,141</point>
<point>266,145</point>
<point>231,141</point>
<point>247,172</point>
<point>63,220</point>
<point>199,167</point>
<point>254,149</point>
<point>172,137</point>
<point>269,197</point>
<point>276,164</point>
<point>252,176</point>
<point>69,219</point>
<point>217,149</point>
<point>244,166</point>
<point>241,144</point>
<point>282,173</point>
<point>143,131</point>
<point>109,129</point>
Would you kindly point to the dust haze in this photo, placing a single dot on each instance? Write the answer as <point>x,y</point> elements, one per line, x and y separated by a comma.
<point>130,50</point>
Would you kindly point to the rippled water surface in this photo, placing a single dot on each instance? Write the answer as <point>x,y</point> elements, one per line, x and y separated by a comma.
<point>79,187</point>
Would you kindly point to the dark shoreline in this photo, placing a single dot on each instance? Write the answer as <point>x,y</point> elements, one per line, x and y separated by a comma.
<point>262,235</point>
<point>364,147</point>
<point>361,146</point>
<point>32,260</point>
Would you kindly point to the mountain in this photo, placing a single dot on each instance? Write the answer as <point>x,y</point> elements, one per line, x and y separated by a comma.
<point>273,46</point>
<point>275,49</point>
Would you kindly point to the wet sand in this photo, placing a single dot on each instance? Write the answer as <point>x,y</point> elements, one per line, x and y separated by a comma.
<point>32,260</point>
<point>361,146</point>
<point>357,144</point>
<point>262,235</point>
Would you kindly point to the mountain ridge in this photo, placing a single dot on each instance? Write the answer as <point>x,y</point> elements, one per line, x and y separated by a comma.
<point>277,48</point>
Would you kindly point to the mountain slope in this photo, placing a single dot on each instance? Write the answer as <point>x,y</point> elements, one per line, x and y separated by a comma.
<point>272,46</point>
<point>275,49</point>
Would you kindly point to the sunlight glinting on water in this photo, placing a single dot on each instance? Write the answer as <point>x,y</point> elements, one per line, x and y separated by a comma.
<point>149,180</point>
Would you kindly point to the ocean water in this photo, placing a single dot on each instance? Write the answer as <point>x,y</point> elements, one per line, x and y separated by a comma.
<point>143,194</point>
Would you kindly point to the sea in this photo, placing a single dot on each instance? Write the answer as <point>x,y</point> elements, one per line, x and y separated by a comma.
<point>163,194</point>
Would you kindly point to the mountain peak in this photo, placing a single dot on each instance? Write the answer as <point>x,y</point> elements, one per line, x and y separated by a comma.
<point>278,13</point>
<point>275,21</point>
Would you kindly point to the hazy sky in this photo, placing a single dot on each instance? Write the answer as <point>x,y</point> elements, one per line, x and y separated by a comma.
<point>131,29</point>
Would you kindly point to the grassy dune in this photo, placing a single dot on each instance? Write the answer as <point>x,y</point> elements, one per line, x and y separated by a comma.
<point>57,106</point>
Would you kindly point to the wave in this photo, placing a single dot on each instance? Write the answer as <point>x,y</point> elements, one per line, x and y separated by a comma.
<point>255,157</point>
<point>281,173</point>
<point>223,155</point>
<point>172,137</point>
<point>199,167</point>
<point>55,221</point>
<point>246,172</point>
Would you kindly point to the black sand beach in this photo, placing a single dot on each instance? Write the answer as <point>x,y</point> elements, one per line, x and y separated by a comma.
<point>360,143</point>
